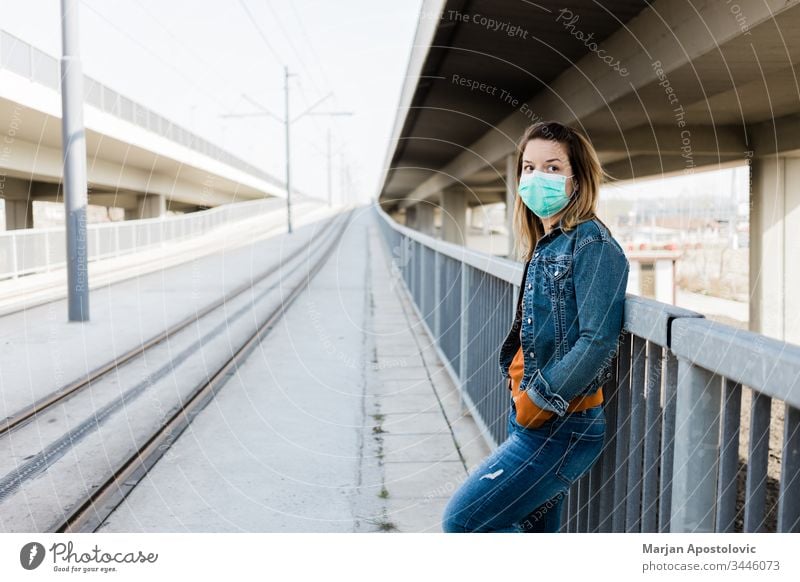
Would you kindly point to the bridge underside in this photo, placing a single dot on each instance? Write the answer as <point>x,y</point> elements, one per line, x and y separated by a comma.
<point>658,89</point>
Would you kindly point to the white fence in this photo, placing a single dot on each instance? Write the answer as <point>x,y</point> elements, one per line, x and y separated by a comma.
<point>34,250</point>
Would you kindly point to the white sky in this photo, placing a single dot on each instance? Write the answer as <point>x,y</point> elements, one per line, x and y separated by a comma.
<point>191,61</point>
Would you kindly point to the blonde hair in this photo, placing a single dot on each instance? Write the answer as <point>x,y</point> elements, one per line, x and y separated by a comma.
<point>588,174</point>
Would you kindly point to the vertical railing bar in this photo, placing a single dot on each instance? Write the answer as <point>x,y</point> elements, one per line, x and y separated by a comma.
<point>464,331</point>
<point>437,294</point>
<point>573,508</point>
<point>757,459</point>
<point>634,498</point>
<point>608,459</point>
<point>667,441</point>
<point>623,434</point>
<point>729,457</point>
<point>410,266</point>
<point>583,503</point>
<point>652,438</point>
<point>789,496</point>
<point>595,492</point>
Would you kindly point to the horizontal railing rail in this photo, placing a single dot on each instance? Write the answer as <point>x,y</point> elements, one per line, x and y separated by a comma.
<point>673,405</point>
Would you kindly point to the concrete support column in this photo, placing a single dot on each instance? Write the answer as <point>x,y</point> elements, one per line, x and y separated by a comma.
<point>411,216</point>
<point>19,214</point>
<point>511,195</point>
<point>774,247</point>
<point>151,206</point>
<point>425,218</point>
<point>18,197</point>
<point>454,214</point>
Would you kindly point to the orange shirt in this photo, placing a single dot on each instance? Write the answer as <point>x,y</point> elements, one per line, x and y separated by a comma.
<point>531,416</point>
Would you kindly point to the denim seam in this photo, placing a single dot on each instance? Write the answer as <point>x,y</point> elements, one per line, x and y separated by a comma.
<point>571,449</point>
<point>586,242</point>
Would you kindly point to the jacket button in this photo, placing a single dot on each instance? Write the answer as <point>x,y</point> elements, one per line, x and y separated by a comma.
<point>529,320</point>
<point>529,285</point>
<point>530,354</point>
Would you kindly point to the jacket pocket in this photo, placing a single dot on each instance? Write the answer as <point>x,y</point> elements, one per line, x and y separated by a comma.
<point>557,267</point>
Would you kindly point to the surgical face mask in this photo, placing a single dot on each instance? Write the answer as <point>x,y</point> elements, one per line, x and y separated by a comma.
<point>545,194</point>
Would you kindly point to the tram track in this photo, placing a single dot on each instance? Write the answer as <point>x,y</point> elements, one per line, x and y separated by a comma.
<point>25,415</point>
<point>87,514</point>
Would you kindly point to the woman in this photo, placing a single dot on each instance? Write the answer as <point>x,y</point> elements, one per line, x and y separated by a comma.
<point>559,350</point>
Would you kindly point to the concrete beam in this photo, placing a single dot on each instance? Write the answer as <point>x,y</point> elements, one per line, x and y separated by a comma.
<point>14,188</point>
<point>127,200</point>
<point>653,166</point>
<point>49,192</point>
<point>776,135</point>
<point>702,140</point>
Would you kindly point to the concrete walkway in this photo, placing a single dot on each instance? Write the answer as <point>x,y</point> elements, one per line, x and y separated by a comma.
<point>343,419</point>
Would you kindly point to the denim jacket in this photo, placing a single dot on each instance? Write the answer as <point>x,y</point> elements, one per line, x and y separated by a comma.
<point>569,315</point>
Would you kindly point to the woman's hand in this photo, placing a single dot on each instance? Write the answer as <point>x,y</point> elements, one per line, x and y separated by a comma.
<point>528,414</point>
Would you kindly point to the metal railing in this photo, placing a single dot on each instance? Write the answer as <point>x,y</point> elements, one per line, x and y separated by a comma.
<point>25,60</point>
<point>34,250</point>
<point>673,405</point>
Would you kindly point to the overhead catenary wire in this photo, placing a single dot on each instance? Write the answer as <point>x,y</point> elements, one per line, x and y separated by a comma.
<point>158,57</point>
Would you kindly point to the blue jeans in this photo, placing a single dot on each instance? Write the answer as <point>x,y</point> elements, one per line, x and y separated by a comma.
<point>520,487</point>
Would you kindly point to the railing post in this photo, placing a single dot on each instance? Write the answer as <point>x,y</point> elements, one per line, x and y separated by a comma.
<point>694,474</point>
<point>464,332</point>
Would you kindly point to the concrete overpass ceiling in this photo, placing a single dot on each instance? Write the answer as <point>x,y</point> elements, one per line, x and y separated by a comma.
<point>745,80</point>
<point>444,115</point>
<point>732,73</point>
